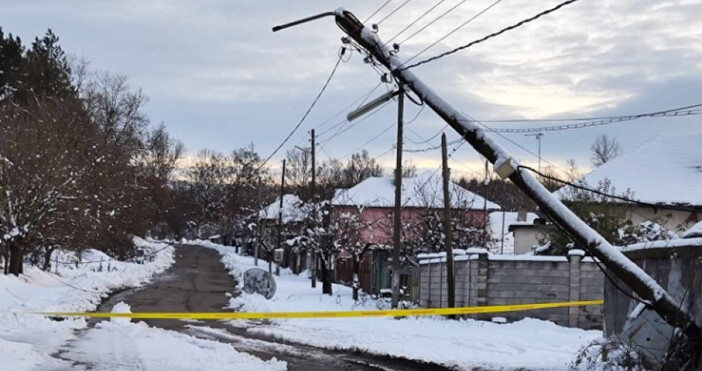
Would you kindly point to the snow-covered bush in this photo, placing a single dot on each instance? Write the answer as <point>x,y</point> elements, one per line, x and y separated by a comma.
<point>608,355</point>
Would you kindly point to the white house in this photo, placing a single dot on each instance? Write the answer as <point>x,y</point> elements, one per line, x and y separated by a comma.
<point>665,171</point>
<point>515,232</point>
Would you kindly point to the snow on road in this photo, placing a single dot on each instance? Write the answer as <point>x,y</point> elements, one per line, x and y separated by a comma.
<point>530,343</point>
<point>27,341</point>
<point>136,346</point>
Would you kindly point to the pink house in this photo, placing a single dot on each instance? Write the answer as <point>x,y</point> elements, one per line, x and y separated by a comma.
<point>370,204</point>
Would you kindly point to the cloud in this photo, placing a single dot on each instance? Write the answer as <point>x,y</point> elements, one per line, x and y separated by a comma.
<point>220,78</point>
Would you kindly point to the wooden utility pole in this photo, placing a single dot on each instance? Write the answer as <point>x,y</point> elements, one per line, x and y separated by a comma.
<point>446,172</point>
<point>397,220</point>
<point>313,184</point>
<point>258,231</point>
<point>280,218</point>
<point>485,214</point>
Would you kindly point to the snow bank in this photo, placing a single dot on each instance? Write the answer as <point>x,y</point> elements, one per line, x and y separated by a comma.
<point>136,346</point>
<point>27,339</point>
<point>529,343</point>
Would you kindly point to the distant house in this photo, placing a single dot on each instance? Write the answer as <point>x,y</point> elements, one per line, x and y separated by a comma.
<point>294,213</point>
<point>515,232</point>
<point>373,201</point>
<point>665,171</point>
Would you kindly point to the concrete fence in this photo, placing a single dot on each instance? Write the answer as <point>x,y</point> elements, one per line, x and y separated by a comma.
<point>484,279</point>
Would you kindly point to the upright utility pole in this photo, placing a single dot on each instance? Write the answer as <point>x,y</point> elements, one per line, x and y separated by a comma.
<point>397,221</point>
<point>485,214</point>
<point>446,172</point>
<point>258,222</point>
<point>280,219</point>
<point>313,184</point>
<point>538,139</point>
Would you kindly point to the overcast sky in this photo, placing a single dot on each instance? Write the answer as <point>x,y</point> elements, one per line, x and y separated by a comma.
<point>220,79</point>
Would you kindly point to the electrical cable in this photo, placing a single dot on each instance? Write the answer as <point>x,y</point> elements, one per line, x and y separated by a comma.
<point>449,34</point>
<point>314,102</point>
<point>393,12</point>
<point>607,195</point>
<point>678,112</point>
<point>490,36</point>
<point>376,11</point>
<point>413,22</point>
<point>386,130</point>
<point>692,107</point>
<point>326,141</point>
<point>432,22</point>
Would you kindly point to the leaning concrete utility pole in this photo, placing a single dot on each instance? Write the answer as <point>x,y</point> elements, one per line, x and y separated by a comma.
<point>397,214</point>
<point>448,233</point>
<point>507,166</point>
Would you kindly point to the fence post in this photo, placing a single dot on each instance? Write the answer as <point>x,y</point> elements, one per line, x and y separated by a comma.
<point>574,258</point>
<point>481,289</point>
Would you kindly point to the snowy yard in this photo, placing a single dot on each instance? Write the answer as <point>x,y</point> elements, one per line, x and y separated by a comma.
<point>27,340</point>
<point>530,343</point>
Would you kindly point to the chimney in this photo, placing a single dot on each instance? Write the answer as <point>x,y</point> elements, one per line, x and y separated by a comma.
<point>522,215</point>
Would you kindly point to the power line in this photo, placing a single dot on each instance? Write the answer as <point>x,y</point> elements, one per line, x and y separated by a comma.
<point>326,141</point>
<point>393,12</point>
<point>362,99</point>
<point>414,22</point>
<point>319,95</point>
<point>432,148</point>
<point>432,22</point>
<point>490,36</point>
<point>372,139</point>
<point>386,130</point>
<point>450,33</point>
<point>426,141</point>
<point>511,141</point>
<point>692,107</point>
<point>607,195</point>
<point>376,11</point>
<point>676,112</point>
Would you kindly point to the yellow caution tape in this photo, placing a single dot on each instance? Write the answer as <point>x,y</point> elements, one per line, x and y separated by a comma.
<point>328,314</point>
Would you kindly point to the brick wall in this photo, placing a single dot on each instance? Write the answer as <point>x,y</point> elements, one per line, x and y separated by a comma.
<point>483,279</point>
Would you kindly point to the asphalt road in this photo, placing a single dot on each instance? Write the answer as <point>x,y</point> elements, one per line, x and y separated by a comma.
<point>199,282</point>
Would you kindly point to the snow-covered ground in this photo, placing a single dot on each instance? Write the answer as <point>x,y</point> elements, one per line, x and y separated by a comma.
<point>122,345</point>
<point>34,342</point>
<point>530,343</point>
<point>27,341</point>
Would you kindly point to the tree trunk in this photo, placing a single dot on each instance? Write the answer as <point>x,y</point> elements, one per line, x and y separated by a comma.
<point>356,267</point>
<point>16,258</point>
<point>47,259</point>
<point>326,275</point>
<point>6,256</point>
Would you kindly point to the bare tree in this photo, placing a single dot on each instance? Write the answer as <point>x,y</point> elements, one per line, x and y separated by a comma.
<point>604,149</point>
<point>360,167</point>
<point>298,170</point>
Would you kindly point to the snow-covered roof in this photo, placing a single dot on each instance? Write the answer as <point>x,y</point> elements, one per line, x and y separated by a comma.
<point>424,190</point>
<point>665,170</point>
<point>294,210</point>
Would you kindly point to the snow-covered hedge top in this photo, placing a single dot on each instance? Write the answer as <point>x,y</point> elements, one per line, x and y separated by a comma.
<point>695,231</point>
<point>665,169</point>
<point>424,190</point>
<point>682,242</point>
